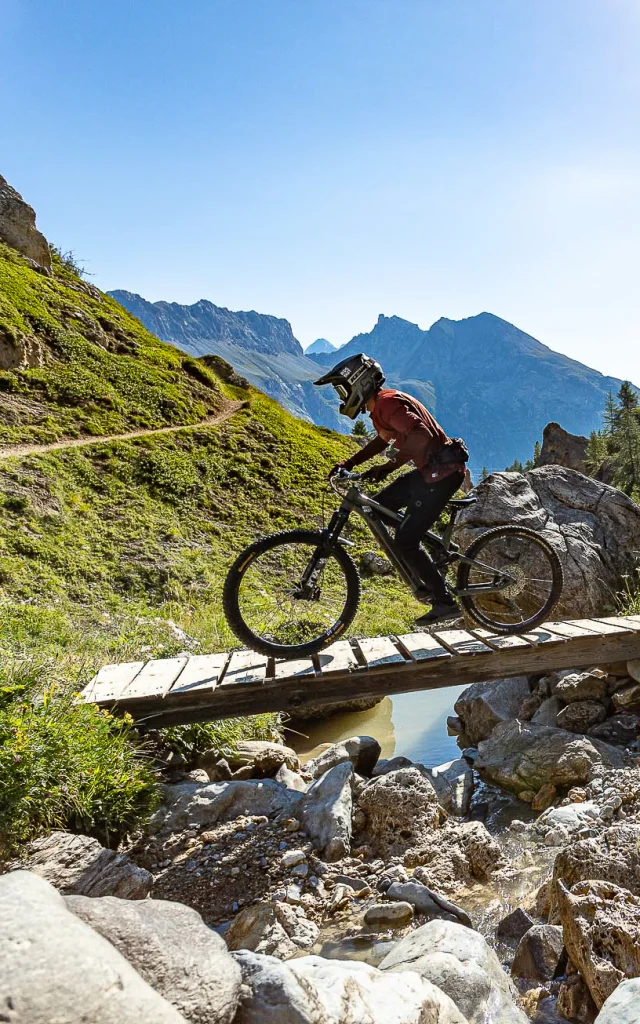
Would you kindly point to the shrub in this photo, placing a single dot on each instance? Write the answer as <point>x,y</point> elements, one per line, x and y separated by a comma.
<point>67,765</point>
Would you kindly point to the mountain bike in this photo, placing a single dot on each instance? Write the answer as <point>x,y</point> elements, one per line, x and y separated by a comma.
<point>291,594</point>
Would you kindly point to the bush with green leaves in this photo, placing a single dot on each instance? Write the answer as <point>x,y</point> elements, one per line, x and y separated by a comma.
<point>69,765</point>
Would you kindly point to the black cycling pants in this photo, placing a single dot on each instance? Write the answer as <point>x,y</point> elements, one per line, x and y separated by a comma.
<point>423,503</point>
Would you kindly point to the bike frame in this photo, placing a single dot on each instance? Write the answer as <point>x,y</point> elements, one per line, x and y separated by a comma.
<point>374,515</point>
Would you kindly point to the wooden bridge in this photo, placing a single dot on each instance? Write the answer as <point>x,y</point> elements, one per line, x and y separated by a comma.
<point>201,687</point>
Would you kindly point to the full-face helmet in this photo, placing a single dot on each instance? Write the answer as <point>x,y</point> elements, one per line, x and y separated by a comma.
<point>355,379</point>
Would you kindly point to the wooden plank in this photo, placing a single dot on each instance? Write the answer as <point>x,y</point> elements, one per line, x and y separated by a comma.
<point>380,650</point>
<point>599,626</point>
<point>245,667</point>
<point>155,679</point>
<point>501,643</point>
<point>541,635</point>
<point>110,681</point>
<point>569,630</point>
<point>461,642</point>
<point>338,658</point>
<point>201,673</point>
<point>422,646</point>
<point>291,669</point>
<point>634,618</point>
<point>622,620</point>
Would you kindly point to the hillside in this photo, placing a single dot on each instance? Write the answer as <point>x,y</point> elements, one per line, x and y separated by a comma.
<point>260,347</point>
<point>100,546</point>
<point>494,384</point>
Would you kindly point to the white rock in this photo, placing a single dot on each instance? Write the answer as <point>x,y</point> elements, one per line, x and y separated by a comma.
<point>327,811</point>
<point>623,1005</point>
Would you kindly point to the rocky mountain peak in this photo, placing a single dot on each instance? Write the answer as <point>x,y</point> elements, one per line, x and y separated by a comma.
<point>18,226</point>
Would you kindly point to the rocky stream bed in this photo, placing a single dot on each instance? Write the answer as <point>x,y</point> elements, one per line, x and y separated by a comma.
<point>499,888</point>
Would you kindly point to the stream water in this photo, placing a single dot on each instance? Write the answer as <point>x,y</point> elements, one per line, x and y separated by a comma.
<point>413,725</point>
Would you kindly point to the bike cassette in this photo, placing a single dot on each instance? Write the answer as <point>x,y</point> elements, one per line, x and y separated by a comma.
<point>518,581</point>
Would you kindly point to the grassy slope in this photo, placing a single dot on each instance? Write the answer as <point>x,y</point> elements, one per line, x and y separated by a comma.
<point>100,546</point>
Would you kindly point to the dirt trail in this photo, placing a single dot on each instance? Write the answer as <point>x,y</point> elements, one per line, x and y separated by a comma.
<point>10,451</point>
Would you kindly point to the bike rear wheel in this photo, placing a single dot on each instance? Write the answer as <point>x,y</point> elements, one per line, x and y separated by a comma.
<point>525,557</point>
<point>261,596</point>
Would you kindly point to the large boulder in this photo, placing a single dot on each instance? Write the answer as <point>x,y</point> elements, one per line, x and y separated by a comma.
<point>623,1006</point>
<point>401,809</point>
<point>56,968</point>
<point>172,949</point>
<point>327,810</point>
<point>594,529</point>
<point>613,856</point>
<point>224,801</point>
<point>459,961</point>
<point>262,756</point>
<point>312,990</point>
<point>362,751</point>
<point>459,852</point>
<point>18,226</point>
<point>601,926</point>
<point>453,783</point>
<point>482,706</point>
<point>581,716</point>
<point>560,448</point>
<point>80,865</point>
<point>522,756</point>
<point>271,928</point>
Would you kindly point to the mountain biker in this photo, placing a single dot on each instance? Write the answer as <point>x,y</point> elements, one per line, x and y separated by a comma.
<point>418,438</point>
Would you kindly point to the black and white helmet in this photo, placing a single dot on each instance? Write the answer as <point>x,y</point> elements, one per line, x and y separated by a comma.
<point>355,379</point>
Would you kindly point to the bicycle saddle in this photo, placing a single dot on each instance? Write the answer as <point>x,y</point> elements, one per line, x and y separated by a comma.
<point>462,502</point>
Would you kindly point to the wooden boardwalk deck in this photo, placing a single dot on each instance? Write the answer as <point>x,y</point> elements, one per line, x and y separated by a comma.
<point>202,687</point>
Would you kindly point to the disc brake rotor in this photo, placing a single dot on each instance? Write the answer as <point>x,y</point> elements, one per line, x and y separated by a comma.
<point>519,580</point>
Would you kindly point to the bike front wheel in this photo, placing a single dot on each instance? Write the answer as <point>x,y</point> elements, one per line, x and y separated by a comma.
<point>272,612</point>
<point>528,562</point>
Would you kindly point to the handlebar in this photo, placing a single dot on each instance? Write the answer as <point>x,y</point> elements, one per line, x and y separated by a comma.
<point>342,476</point>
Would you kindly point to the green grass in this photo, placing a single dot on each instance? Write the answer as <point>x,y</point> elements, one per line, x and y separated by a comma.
<point>107,552</point>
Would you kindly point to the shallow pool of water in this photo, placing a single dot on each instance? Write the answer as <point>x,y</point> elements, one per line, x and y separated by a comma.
<point>413,725</point>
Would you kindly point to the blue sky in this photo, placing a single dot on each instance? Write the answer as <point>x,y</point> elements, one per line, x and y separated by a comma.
<point>328,160</point>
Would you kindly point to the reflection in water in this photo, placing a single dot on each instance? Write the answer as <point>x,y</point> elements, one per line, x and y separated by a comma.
<point>413,725</point>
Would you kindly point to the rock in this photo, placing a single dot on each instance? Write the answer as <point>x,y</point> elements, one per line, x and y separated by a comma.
<point>594,529</point>
<point>384,767</point>
<point>427,902</point>
<point>547,712</point>
<point>483,706</point>
<point>54,967</point>
<point>320,711</point>
<point>623,1005</point>
<point>265,757</point>
<point>523,756</point>
<point>362,751</point>
<point>455,725</point>
<point>544,797</point>
<point>172,949</point>
<point>514,925</point>
<point>627,699</point>
<point>312,990</point>
<point>375,565</point>
<point>581,715</point>
<point>291,779</point>
<point>633,668</point>
<point>582,686</point>
<point>224,801</point>
<point>560,448</point>
<point>453,783</point>
<point>272,928</point>
<point>80,865</point>
<point>459,852</point>
<point>538,953</point>
<point>388,915</point>
<point>326,811</point>
<point>18,228</point>
<point>575,1002</point>
<point>571,818</point>
<point>401,809</point>
<point>459,961</point>
<point>601,924</point>
<point>619,729</point>
<point>292,857</point>
<point>613,856</point>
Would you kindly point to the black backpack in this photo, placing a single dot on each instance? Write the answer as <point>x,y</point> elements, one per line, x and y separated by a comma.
<point>454,451</point>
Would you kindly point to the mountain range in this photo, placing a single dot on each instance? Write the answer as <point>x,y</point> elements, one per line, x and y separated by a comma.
<point>484,379</point>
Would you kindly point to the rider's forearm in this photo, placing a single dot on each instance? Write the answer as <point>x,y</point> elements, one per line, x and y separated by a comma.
<point>372,448</point>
